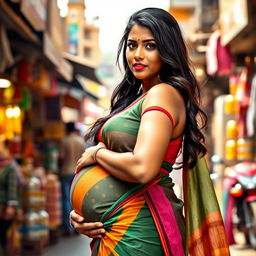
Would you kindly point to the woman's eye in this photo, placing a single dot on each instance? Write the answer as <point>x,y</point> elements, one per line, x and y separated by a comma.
<point>131,45</point>
<point>151,46</point>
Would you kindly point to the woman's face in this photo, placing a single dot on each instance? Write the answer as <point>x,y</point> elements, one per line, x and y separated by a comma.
<point>142,55</point>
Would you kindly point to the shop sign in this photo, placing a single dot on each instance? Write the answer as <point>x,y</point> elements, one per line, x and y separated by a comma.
<point>91,108</point>
<point>233,18</point>
<point>90,86</point>
<point>35,12</point>
<point>73,34</point>
<point>54,130</point>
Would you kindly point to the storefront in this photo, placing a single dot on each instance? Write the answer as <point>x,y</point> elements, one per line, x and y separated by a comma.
<point>231,58</point>
<point>39,92</point>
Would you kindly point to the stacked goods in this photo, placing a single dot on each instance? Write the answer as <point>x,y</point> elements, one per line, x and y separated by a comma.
<point>32,193</point>
<point>44,223</point>
<point>31,228</point>
<point>35,228</point>
<point>53,205</point>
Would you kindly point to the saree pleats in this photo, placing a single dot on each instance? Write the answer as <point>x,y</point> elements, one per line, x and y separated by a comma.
<point>130,229</point>
<point>147,219</point>
<point>140,222</point>
<point>205,230</point>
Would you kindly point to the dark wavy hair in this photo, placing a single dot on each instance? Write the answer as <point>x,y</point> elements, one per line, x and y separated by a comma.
<point>175,71</point>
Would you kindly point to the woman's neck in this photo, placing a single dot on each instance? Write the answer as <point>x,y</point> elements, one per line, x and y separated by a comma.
<point>148,84</point>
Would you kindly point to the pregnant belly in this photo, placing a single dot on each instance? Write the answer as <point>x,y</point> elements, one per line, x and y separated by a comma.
<point>94,190</point>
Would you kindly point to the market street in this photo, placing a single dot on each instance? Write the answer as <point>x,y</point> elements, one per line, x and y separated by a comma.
<point>79,246</point>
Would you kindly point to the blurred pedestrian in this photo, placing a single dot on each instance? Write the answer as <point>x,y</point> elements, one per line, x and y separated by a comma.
<point>71,148</point>
<point>10,207</point>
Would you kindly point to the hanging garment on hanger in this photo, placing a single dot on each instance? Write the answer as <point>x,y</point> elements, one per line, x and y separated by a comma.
<point>218,57</point>
<point>224,58</point>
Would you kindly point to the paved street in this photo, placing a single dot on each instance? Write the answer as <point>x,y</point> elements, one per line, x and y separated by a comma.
<point>240,249</point>
<point>79,246</point>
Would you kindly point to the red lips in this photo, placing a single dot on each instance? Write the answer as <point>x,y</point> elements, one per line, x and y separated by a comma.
<point>138,66</point>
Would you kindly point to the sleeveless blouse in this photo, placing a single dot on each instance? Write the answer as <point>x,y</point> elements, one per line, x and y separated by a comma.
<point>148,218</point>
<point>98,191</point>
<point>119,133</point>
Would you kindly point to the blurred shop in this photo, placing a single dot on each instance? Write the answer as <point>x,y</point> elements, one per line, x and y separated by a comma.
<point>227,45</point>
<point>41,88</point>
<point>221,43</point>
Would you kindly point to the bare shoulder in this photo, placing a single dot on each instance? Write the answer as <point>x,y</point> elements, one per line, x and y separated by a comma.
<point>164,94</point>
<point>169,98</point>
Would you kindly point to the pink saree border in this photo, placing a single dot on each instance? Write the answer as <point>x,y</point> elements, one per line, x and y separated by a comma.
<point>161,209</point>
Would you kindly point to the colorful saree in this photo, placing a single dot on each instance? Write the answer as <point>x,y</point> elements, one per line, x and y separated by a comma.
<point>145,219</point>
<point>205,232</point>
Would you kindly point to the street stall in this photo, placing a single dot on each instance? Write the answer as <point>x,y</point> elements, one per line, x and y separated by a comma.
<point>40,91</point>
<point>234,116</point>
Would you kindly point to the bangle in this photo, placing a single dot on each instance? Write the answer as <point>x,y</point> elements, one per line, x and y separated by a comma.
<point>97,150</point>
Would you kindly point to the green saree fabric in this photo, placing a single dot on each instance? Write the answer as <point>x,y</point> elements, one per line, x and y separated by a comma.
<point>205,233</point>
<point>147,219</point>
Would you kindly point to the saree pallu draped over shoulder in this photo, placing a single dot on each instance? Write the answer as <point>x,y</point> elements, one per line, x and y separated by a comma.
<point>205,232</point>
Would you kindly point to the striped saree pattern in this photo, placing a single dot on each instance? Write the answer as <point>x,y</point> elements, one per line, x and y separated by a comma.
<point>205,232</point>
<point>142,219</point>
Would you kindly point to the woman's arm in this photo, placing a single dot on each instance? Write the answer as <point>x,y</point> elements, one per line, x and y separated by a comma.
<point>155,132</point>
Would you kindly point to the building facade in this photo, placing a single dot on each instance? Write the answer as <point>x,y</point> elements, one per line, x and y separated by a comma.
<point>83,36</point>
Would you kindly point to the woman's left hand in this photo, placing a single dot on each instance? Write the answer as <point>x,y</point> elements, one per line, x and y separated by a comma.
<point>88,157</point>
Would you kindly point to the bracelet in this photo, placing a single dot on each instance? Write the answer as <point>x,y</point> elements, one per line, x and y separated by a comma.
<point>97,150</point>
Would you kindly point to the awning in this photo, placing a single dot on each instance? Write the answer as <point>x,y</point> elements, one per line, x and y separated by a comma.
<point>51,51</point>
<point>82,67</point>
<point>24,40</point>
<point>90,86</point>
<point>13,21</point>
<point>77,85</point>
<point>84,77</point>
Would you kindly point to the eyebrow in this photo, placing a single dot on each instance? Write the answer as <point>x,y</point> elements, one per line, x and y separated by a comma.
<point>144,41</point>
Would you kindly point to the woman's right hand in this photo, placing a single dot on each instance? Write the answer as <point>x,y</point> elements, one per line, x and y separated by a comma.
<point>89,156</point>
<point>90,229</point>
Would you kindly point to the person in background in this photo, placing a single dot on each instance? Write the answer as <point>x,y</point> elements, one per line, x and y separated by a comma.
<point>9,195</point>
<point>71,148</point>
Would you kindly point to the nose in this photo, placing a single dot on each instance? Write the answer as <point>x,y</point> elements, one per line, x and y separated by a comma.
<point>139,53</point>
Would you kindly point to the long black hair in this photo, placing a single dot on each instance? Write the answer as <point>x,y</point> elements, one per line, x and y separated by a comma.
<point>175,71</point>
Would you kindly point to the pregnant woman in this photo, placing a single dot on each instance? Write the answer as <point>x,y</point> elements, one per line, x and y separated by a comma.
<point>122,194</point>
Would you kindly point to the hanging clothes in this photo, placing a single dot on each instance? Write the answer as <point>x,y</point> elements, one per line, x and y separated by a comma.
<point>211,58</point>
<point>251,112</point>
<point>219,59</point>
